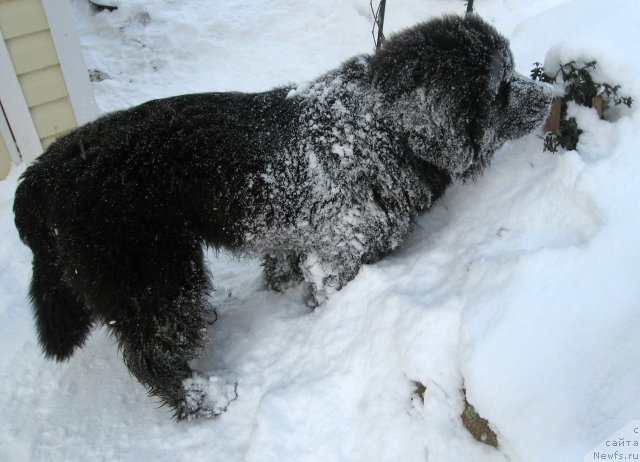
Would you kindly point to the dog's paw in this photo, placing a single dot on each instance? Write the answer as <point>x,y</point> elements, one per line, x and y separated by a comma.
<point>207,397</point>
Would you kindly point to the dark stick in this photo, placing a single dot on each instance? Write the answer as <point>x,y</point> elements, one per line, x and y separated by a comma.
<point>380,23</point>
<point>469,6</point>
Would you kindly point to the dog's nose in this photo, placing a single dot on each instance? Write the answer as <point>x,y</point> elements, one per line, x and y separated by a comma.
<point>528,107</point>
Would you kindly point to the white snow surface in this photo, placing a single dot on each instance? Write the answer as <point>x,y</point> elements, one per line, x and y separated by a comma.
<point>522,287</point>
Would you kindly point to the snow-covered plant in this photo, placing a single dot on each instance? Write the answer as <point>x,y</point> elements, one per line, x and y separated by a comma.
<point>578,85</point>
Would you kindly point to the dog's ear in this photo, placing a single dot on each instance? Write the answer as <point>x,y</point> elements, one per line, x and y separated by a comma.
<point>399,66</point>
<point>443,51</point>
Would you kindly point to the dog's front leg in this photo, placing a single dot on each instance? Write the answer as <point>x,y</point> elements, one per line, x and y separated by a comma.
<point>328,273</point>
<point>281,271</point>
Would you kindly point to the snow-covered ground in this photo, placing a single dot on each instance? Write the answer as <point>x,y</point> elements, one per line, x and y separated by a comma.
<point>522,287</point>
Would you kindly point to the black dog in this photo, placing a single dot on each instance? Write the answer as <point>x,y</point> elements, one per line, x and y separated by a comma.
<point>317,181</point>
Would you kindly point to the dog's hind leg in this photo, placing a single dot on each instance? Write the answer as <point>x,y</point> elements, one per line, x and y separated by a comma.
<point>160,327</point>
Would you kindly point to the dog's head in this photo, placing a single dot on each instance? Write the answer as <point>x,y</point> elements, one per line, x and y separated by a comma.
<point>451,85</point>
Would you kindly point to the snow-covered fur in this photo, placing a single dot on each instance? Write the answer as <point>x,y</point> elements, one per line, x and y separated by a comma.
<point>315,180</point>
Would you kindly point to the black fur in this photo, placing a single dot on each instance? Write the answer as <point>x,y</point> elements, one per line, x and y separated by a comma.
<point>316,180</point>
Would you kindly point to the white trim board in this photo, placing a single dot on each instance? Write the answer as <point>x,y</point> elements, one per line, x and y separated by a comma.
<point>16,108</point>
<point>74,69</point>
<point>7,136</point>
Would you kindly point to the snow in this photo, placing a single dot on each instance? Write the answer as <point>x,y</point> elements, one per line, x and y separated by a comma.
<point>521,287</point>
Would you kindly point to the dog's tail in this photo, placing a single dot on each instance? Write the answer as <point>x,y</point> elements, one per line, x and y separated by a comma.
<point>62,320</point>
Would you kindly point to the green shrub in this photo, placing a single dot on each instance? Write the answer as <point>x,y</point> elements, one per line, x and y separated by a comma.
<point>580,87</point>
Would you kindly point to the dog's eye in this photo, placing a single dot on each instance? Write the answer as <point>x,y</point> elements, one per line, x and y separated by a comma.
<point>502,98</point>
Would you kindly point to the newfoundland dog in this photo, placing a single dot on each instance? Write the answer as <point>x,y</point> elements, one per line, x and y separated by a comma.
<point>315,180</point>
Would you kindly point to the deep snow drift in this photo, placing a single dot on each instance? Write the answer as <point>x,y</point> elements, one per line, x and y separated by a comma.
<point>521,287</point>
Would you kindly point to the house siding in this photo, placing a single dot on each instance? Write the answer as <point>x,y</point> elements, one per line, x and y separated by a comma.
<point>22,17</point>
<point>28,39</point>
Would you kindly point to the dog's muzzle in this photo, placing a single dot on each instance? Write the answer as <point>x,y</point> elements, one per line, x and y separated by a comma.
<point>529,103</point>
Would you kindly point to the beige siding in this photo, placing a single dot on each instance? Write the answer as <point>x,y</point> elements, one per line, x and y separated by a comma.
<point>46,142</point>
<point>53,118</point>
<point>5,159</point>
<point>43,86</point>
<point>33,54</point>
<point>22,17</point>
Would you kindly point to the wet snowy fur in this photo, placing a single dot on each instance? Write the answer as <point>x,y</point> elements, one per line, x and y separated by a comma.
<point>315,180</point>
